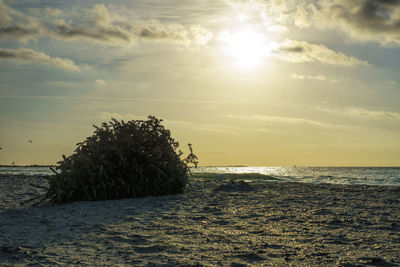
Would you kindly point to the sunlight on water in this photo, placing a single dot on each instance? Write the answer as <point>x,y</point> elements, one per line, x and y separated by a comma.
<point>332,175</point>
<point>315,175</point>
<point>26,170</point>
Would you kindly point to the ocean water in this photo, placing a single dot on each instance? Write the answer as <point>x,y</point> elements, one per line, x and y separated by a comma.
<point>315,175</point>
<point>28,170</point>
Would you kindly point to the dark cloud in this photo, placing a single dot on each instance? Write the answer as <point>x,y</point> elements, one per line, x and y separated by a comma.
<point>117,34</point>
<point>362,20</point>
<point>18,32</point>
<point>371,19</point>
<point>96,33</point>
<point>98,26</point>
<point>386,2</point>
<point>14,24</point>
<point>365,20</point>
<point>24,55</point>
<point>147,33</point>
<point>300,51</point>
<point>295,49</point>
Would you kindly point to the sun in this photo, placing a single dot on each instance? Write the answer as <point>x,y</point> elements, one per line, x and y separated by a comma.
<point>246,46</point>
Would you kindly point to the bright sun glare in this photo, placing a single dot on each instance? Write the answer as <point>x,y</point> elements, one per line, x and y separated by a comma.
<point>246,46</point>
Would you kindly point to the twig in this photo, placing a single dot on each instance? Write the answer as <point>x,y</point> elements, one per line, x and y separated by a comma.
<point>31,199</point>
<point>38,186</point>
<point>53,170</point>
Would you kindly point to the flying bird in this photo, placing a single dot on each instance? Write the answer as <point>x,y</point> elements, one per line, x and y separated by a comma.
<point>30,141</point>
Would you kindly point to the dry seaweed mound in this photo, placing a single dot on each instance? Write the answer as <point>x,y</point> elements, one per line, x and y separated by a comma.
<point>122,160</point>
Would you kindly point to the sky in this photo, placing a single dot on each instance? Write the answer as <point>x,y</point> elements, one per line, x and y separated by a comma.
<point>257,83</point>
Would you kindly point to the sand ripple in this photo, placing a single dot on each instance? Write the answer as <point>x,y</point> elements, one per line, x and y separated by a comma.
<point>213,223</point>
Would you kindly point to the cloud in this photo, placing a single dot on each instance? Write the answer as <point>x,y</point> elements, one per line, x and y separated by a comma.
<point>375,114</point>
<point>318,77</point>
<point>360,112</point>
<point>279,121</point>
<point>116,99</point>
<point>100,83</point>
<point>362,20</point>
<point>93,33</point>
<point>276,119</point>
<point>301,51</point>
<point>97,25</point>
<point>308,77</point>
<point>14,24</point>
<point>25,55</point>
<point>125,117</point>
<point>260,12</point>
<point>7,15</point>
<point>212,128</point>
<point>369,19</point>
<point>101,26</point>
<point>199,35</point>
<point>216,128</point>
<point>53,11</point>
<point>18,32</point>
<point>187,124</point>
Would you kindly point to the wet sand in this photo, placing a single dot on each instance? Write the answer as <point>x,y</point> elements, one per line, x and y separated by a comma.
<point>212,223</point>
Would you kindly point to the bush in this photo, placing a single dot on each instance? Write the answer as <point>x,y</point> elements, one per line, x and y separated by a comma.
<point>121,160</point>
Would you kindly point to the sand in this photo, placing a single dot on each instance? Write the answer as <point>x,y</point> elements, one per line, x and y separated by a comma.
<point>212,223</point>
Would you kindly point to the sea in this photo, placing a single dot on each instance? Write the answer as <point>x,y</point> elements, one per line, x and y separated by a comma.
<point>313,175</point>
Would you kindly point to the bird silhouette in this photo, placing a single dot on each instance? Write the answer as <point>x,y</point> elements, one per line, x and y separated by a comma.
<point>30,141</point>
<point>13,163</point>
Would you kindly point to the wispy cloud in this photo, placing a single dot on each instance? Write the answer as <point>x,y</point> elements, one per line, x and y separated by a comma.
<point>318,77</point>
<point>375,114</point>
<point>116,99</point>
<point>308,77</point>
<point>100,83</point>
<point>213,128</point>
<point>24,55</point>
<point>330,123</point>
<point>360,112</point>
<point>301,51</point>
<point>125,117</point>
<point>216,128</point>
<point>276,119</point>
<point>186,124</point>
<point>54,11</point>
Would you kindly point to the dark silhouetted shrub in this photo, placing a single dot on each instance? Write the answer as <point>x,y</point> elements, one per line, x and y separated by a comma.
<point>122,160</point>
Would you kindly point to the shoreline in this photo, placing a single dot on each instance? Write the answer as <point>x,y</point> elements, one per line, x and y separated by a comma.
<point>212,223</point>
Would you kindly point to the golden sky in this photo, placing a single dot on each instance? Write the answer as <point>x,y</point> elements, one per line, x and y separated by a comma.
<point>258,83</point>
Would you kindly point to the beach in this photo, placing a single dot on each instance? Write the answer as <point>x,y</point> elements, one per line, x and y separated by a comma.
<point>214,223</point>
